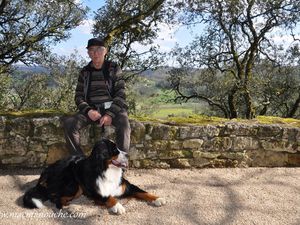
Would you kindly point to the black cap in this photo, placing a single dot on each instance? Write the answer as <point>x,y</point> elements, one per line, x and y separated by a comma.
<point>95,42</point>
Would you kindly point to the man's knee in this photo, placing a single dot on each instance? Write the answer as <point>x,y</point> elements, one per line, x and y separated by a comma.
<point>123,123</point>
<point>68,122</point>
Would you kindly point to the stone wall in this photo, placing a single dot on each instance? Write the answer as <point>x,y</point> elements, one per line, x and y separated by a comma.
<point>38,141</point>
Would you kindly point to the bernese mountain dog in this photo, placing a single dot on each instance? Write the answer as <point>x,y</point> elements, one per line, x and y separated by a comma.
<point>98,176</point>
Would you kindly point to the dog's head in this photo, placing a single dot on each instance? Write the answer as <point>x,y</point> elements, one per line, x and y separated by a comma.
<point>106,153</point>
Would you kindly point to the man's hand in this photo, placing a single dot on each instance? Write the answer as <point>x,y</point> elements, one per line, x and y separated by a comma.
<point>94,114</point>
<point>105,120</point>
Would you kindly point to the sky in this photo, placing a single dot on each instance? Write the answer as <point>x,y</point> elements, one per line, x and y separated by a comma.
<point>167,37</point>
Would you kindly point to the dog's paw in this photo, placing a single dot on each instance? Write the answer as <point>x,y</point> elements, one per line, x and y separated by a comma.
<point>159,202</point>
<point>117,209</point>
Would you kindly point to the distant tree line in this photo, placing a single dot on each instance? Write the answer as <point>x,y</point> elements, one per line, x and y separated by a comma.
<point>234,65</point>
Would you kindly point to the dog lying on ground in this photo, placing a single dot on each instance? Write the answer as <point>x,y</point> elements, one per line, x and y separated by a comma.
<point>98,176</point>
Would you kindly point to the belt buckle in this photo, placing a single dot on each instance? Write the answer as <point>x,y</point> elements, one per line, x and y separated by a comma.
<point>107,105</point>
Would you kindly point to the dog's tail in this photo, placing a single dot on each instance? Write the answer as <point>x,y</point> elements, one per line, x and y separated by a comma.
<point>35,197</point>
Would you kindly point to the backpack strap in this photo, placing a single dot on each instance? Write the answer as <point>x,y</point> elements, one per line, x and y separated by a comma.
<point>86,84</point>
<point>107,71</point>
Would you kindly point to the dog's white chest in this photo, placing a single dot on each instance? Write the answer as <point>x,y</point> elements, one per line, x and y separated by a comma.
<point>109,184</point>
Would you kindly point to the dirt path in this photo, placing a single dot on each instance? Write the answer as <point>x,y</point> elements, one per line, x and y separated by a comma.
<point>268,196</point>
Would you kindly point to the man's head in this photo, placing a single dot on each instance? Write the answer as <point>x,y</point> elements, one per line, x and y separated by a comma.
<point>96,50</point>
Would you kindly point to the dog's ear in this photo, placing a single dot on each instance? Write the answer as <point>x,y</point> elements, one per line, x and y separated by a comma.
<point>100,150</point>
<point>110,144</point>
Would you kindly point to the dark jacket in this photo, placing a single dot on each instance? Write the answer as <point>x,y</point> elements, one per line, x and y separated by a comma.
<point>111,87</point>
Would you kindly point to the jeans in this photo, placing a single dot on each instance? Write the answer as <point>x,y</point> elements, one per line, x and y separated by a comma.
<point>73,124</point>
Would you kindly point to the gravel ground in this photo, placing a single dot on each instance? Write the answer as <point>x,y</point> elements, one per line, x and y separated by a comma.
<point>206,196</point>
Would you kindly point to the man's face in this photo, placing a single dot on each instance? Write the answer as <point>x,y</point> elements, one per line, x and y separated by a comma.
<point>97,53</point>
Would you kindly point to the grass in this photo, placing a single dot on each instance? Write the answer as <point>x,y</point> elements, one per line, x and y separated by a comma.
<point>33,113</point>
<point>185,114</point>
<point>171,114</point>
<point>174,110</point>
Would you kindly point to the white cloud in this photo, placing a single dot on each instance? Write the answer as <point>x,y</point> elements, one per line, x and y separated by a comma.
<point>86,26</point>
<point>166,39</point>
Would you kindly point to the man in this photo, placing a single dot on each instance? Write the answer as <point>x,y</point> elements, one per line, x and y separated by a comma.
<point>100,98</point>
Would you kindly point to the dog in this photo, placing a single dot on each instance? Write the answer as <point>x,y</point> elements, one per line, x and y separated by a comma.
<point>98,177</point>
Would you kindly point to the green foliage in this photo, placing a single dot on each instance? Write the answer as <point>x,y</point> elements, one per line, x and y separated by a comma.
<point>53,89</point>
<point>124,25</point>
<point>28,28</point>
<point>237,37</point>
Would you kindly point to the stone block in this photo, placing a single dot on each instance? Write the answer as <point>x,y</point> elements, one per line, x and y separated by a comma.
<point>15,145</point>
<point>176,145</point>
<point>180,163</point>
<point>163,132</point>
<point>175,154</point>
<point>238,129</point>
<point>57,152</point>
<point>15,160</point>
<point>271,131</point>
<point>245,143</point>
<point>279,146</point>
<point>138,132</point>
<point>191,132</point>
<point>201,162</point>
<point>21,126</point>
<point>35,159</point>
<point>294,159</point>
<point>291,133</point>
<point>192,143</point>
<point>207,155</point>
<point>218,144</point>
<point>276,159</point>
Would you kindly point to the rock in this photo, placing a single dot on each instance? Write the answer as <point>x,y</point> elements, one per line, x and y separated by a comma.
<point>238,129</point>
<point>15,160</point>
<point>294,159</point>
<point>193,143</point>
<point>138,131</point>
<point>35,159</point>
<point>192,132</point>
<point>56,152</point>
<point>163,132</point>
<point>176,145</point>
<point>270,131</point>
<point>279,146</point>
<point>21,126</point>
<point>218,144</point>
<point>180,163</point>
<point>175,154</point>
<point>245,143</point>
<point>207,155</point>
<point>15,145</point>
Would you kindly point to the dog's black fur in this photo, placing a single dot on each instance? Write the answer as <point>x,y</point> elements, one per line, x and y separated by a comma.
<point>69,178</point>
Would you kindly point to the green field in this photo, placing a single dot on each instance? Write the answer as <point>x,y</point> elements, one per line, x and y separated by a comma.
<point>173,110</point>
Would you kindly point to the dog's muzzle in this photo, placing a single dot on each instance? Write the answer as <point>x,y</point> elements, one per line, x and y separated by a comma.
<point>122,160</point>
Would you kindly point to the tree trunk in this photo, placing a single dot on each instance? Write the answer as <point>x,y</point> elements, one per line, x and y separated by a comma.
<point>294,108</point>
<point>231,102</point>
<point>250,112</point>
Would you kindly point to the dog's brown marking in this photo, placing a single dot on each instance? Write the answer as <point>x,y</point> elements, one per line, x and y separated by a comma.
<point>108,162</point>
<point>66,199</point>
<point>145,196</point>
<point>123,187</point>
<point>111,201</point>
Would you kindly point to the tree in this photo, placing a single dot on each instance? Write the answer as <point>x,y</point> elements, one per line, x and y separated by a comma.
<point>276,89</point>
<point>238,34</point>
<point>29,92</point>
<point>64,73</point>
<point>28,28</point>
<point>123,24</point>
